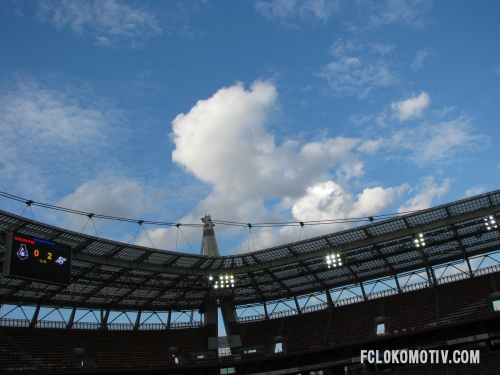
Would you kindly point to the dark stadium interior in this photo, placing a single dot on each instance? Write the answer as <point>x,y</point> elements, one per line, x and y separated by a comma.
<point>458,307</point>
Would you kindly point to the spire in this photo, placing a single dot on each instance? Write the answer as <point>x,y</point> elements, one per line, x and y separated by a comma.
<point>209,243</point>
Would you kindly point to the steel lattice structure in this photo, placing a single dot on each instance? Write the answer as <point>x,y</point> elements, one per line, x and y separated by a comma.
<point>118,276</point>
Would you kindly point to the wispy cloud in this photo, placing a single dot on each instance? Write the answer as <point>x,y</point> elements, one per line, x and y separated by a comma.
<point>357,70</point>
<point>420,56</point>
<point>412,107</point>
<point>411,13</point>
<point>426,191</point>
<point>440,142</point>
<point>304,9</point>
<point>108,21</point>
<point>474,191</point>
<point>48,131</point>
<point>113,196</point>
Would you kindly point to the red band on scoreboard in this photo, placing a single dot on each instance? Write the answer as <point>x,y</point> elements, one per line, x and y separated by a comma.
<point>24,240</point>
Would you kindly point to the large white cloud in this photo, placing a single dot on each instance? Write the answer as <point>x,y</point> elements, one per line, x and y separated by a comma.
<point>225,141</point>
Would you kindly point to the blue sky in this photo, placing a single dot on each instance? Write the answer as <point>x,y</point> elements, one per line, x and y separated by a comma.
<point>252,111</point>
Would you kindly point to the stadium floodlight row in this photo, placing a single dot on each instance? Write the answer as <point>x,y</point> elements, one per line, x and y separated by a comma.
<point>110,275</point>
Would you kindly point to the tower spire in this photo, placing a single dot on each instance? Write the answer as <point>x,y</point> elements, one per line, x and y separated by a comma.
<point>209,243</point>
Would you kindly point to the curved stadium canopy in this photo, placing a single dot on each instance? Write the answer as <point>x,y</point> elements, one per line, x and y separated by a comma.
<point>111,275</point>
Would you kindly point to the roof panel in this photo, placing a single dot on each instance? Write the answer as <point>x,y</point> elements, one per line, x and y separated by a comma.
<point>103,271</point>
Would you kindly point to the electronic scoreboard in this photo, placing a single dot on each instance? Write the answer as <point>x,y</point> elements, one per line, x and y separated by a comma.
<point>33,258</point>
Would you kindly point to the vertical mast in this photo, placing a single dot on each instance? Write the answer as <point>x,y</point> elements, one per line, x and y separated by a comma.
<point>209,243</point>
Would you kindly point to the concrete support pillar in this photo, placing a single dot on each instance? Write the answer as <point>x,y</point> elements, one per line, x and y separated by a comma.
<point>229,317</point>
<point>211,319</point>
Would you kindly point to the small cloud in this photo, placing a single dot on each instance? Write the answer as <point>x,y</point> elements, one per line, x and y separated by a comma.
<point>474,191</point>
<point>371,146</point>
<point>409,13</point>
<point>411,108</point>
<point>357,71</point>
<point>418,63</point>
<point>439,142</point>
<point>497,70</point>
<point>112,196</point>
<point>428,190</point>
<point>108,21</point>
<point>305,9</point>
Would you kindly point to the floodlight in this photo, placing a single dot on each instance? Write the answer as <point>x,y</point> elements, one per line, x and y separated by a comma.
<point>490,222</point>
<point>419,240</point>
<point>333,260</point>
<point>222,281</point>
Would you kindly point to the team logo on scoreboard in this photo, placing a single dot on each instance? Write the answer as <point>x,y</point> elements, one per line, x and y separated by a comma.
<point>60,260</point>
<point>22,253</point>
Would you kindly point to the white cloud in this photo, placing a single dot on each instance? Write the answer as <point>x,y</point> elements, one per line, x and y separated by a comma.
<point>439,142</point>
<point>411,13</point>
<point>112,196</point>
<point>356,71</point>
<point>474,191</point>
<point>224,141</point>
<point>411,108</point>
<point>418,63</point>
<point>371,146</point>
<point>428,190</point>
<point>329,201</point>
<point>305,9</point>
<point>497,70</point>
<point>107,20</point>
<point>52,135</point>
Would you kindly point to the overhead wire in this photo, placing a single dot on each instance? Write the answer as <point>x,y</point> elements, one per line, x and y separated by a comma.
<point>370,219</point>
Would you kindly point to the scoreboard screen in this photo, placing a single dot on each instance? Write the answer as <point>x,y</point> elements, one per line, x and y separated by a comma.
<point>29,257</point>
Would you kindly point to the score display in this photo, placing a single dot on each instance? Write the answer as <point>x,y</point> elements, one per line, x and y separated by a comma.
<point>33,258</point>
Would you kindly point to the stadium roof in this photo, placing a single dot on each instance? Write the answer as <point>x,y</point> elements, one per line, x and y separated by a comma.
<point>118,276</point>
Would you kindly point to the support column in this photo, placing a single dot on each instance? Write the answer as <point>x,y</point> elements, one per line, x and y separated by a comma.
<point>329,300</point>
<point>137,321</point>
<point>299,311</point>
<point>265,311</point>
<point>397,284</point>
<point>211,324</point>
<point>363,291</point>
<point>34,318</point>
<point>231,325</point>
<point>169,319</point>
<point>104,319</point>
<point>71,318</point>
